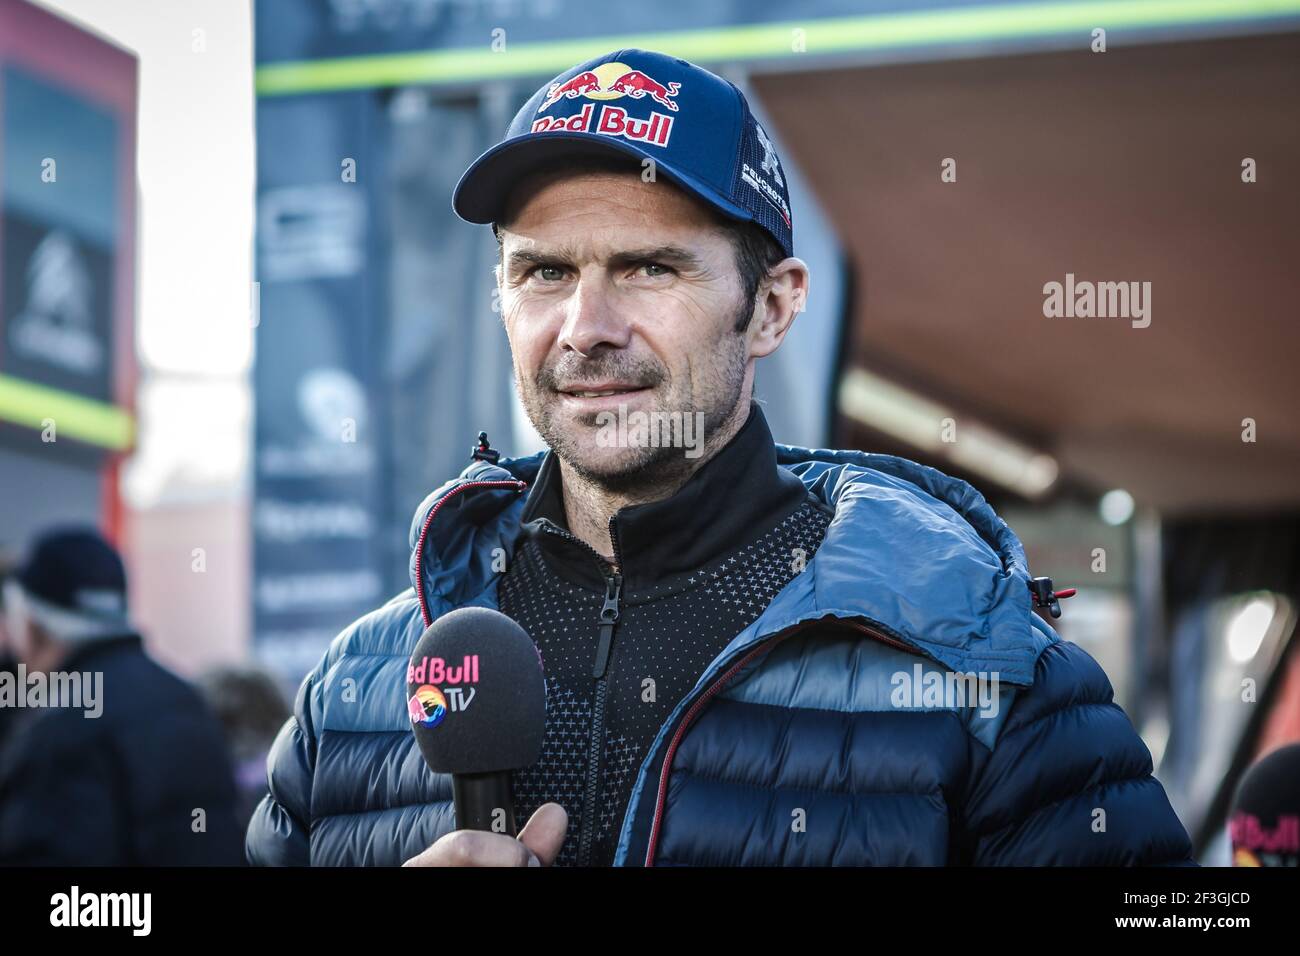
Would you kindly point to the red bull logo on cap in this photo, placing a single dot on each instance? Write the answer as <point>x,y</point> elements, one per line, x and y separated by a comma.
<point>611,81</point>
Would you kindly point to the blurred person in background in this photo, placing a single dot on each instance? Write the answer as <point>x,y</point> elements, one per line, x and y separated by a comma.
<point>251,709</point>
<point>113,760</point>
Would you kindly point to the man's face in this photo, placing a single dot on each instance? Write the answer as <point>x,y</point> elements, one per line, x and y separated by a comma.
<point>616,292</point>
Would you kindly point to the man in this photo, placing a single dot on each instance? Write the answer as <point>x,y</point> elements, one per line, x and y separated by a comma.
<point>117,762</point>
<point>723,622</point>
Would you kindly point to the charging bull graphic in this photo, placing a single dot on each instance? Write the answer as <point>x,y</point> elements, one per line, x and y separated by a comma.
<point>636,85</point>
<point>582,84</point>
<point>610,81</point>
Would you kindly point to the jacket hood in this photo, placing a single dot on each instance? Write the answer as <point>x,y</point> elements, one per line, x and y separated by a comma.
<point>918,553</point>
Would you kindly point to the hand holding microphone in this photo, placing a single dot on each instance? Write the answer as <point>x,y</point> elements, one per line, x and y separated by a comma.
<point>477,703</point>
<point>537,844</point>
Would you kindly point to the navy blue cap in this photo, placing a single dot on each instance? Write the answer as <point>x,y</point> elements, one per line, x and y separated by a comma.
<point>77,570</point>
<point>695,125</point>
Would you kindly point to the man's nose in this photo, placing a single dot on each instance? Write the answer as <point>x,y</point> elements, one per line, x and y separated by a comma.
<point>593,319</point>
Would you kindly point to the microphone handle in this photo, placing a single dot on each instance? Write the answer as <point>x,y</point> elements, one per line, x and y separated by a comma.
<point>482,800</point>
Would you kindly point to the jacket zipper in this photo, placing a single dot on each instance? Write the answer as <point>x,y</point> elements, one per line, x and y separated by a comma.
<point>608,620</point>
<point>715,687</point>
<point>428,520</point>
<point>609,613</point>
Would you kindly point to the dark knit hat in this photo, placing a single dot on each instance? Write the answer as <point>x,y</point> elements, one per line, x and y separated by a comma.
<point>76,570</point>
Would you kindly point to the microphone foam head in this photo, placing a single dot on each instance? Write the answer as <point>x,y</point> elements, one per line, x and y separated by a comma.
<point>475,694</point>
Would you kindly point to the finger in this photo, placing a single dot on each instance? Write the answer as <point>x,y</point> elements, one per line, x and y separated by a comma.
<point>543,834</point>
<point>473,848</point>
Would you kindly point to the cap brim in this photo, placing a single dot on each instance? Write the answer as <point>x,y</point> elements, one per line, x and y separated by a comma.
<point>483,190</point>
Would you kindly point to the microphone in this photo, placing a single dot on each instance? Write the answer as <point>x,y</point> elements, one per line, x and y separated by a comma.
<point>477,703</point>
<point>1264,823</point>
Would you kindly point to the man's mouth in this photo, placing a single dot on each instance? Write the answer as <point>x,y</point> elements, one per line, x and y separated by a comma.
<point>601,391</point>
<point>591,398</point>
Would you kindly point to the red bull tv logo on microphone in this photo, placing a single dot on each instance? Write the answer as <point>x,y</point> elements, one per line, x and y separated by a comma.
<point>611,81</point>
<point>427,706</point>
<point>430,703</point>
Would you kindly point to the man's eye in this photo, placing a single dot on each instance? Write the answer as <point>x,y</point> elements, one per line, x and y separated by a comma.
<point>556,271</point>
<point>664,270</point>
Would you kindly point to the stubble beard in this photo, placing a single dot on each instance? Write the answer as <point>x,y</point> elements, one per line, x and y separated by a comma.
<point>647,470</point>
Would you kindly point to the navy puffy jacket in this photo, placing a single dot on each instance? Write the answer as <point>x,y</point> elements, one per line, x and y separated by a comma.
<point>792,749</point>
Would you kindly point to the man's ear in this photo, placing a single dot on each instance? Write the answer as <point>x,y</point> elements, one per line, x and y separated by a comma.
<point>782,296</point>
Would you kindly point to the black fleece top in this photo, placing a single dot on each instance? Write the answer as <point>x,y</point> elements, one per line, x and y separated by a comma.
<point>693,570</point>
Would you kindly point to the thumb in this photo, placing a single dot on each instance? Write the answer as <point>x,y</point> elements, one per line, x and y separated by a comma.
<point>543,834</point>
